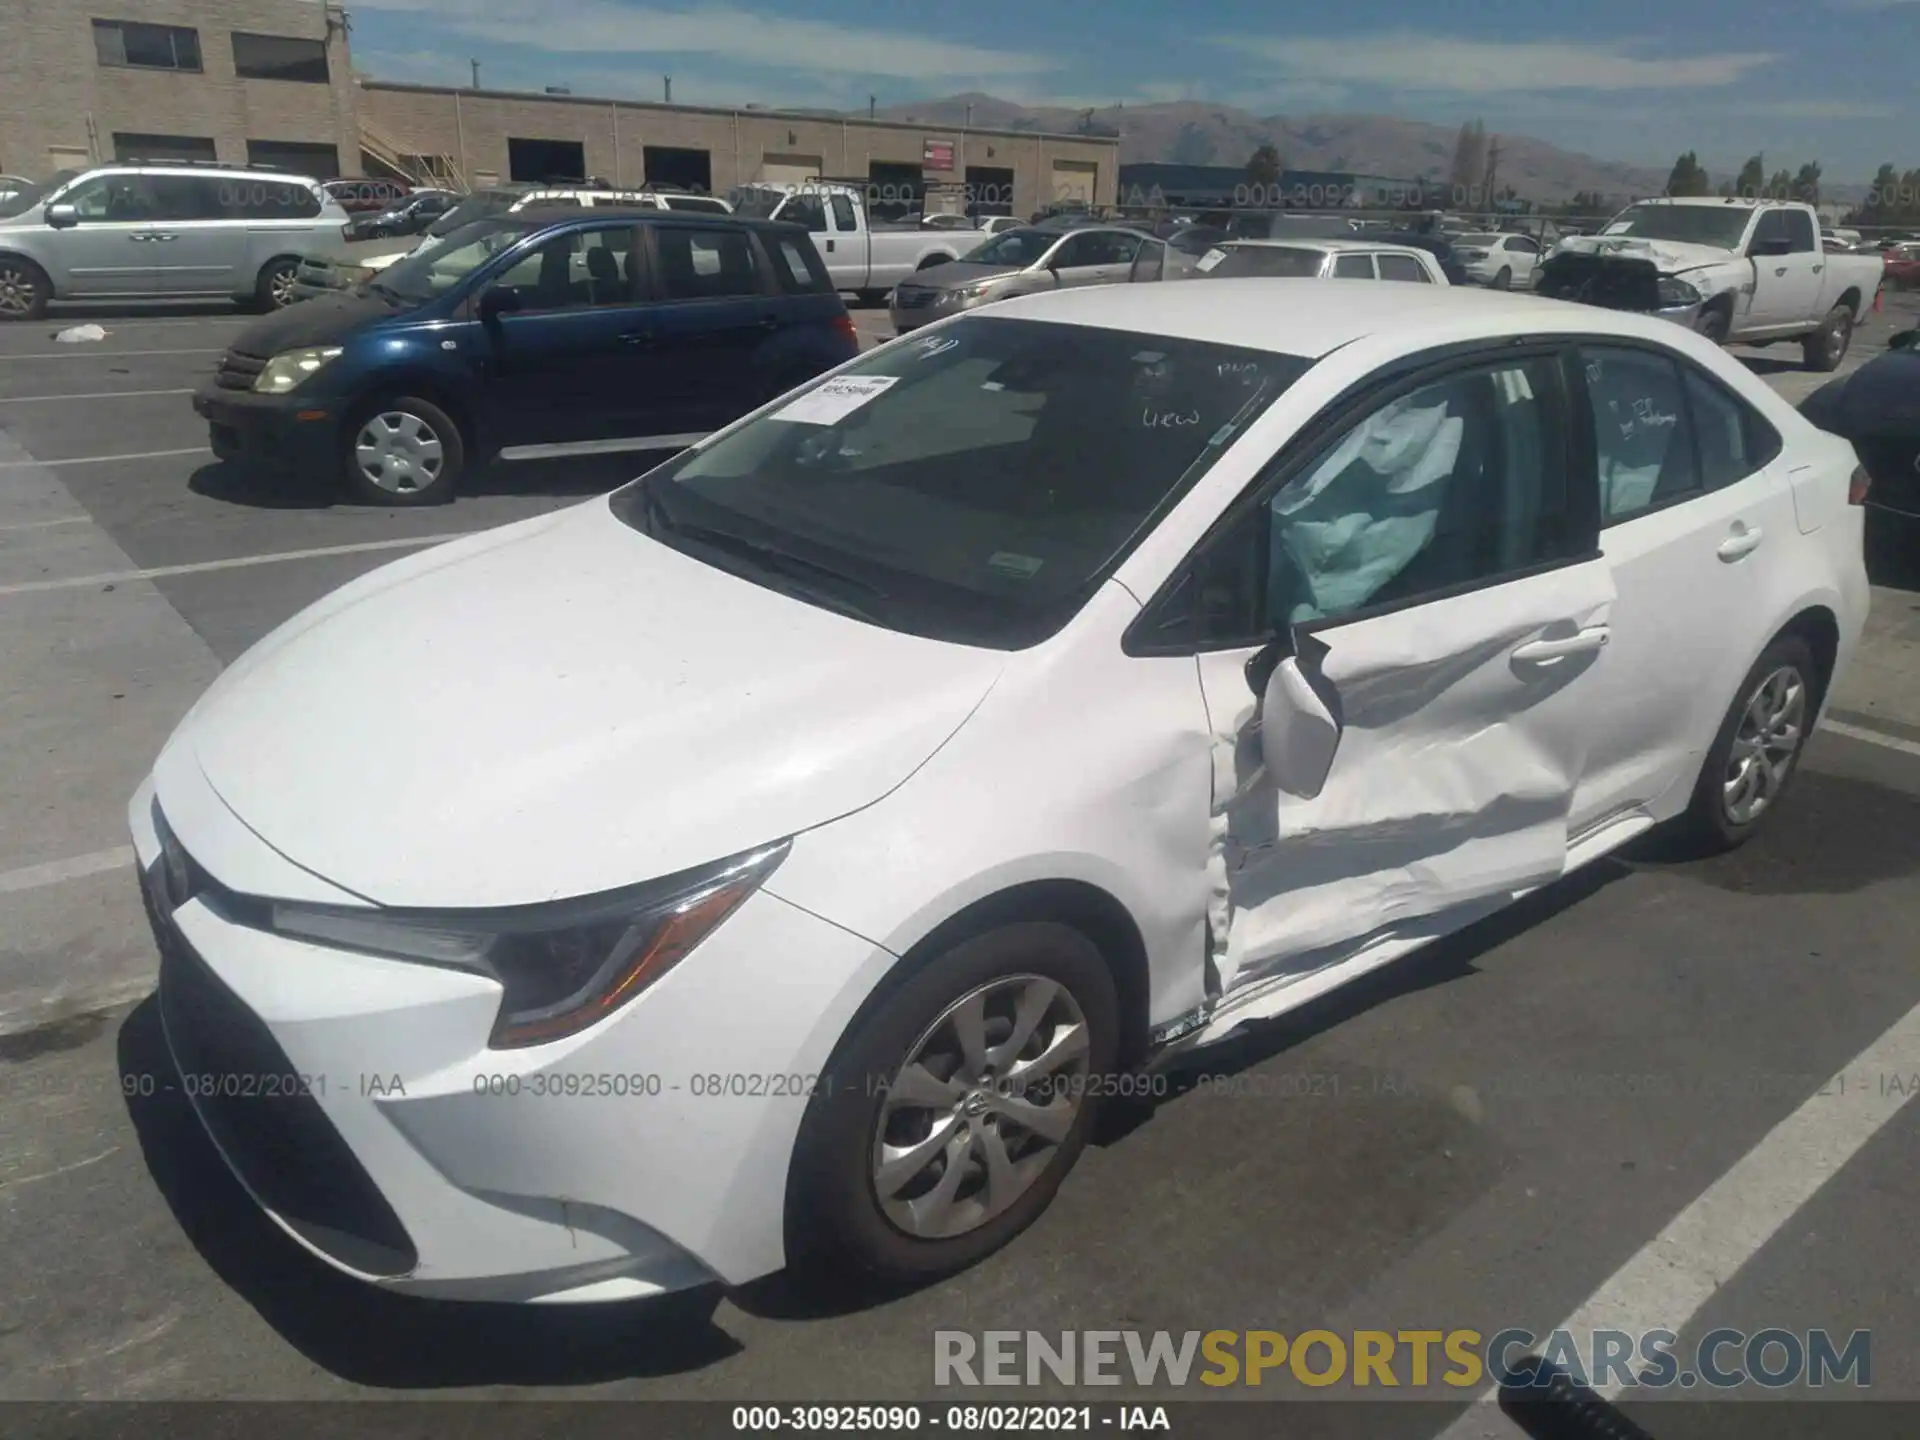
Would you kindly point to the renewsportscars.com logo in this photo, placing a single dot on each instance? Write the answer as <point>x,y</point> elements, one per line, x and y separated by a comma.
<point>1723,1359</point>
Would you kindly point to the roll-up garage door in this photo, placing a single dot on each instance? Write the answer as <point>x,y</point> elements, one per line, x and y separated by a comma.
<point>1073,180</point>
<point>789,169</point>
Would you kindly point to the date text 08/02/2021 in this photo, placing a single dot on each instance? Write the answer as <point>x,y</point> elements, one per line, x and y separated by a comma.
<point>954,1419</point>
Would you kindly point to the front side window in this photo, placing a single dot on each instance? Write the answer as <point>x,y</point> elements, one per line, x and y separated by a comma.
<point>806,210</point>
<point>1641,438</point>
<point>112,198</point>
<point>1353,267</point>
<point>1019,248</point>
<point>581,269</point>
<point>705,264</point>
<point>974,484</point>
<point>1459,482</point>
<point>1800,231</point>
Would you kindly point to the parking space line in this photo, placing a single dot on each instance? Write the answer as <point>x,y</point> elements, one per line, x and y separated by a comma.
<point>1872,737</point>
<point>1674,1274</point>
<point>90,395</point>
<point>105,459</point>
<point>85,354</point>
<point>238,562</point>
<point>32,877</point>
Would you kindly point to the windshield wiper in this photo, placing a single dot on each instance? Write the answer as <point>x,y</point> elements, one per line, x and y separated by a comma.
<point>388,293</point>
<point>791,567</point>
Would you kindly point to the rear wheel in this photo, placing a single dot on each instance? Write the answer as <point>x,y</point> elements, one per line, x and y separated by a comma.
<point>1757,749</point>
<point>958,1105</point>
<point>404,451</point>
<point>1827,347</point>
<point>1504,280</point>
<point>24,289</point>
<point>274,289</point>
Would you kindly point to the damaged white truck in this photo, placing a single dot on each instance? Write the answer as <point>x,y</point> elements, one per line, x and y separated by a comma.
<point>1738,271</point>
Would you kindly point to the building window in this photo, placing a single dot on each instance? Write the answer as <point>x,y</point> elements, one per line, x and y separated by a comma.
<point>279,57</point>
<point>322,162</point>
<point>146,47</point>
<point>130,147</point>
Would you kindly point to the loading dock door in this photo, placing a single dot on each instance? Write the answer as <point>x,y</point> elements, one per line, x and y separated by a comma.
<point>1073,180</point>
<point>544,160</point>
<point>688,169</point>
<point>789,169</point>
<point>989,190</point>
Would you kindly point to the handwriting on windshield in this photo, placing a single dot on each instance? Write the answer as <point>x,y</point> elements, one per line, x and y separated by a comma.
<point>1238,367</point>
<point>1168,419</point>
<point>934,345</point>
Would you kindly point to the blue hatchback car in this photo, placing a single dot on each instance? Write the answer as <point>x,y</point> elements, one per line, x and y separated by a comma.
<point>529,336</point>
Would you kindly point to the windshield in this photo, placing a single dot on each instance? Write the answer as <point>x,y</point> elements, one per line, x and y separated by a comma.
<point>755,202</point>
<point>428,273</point>
<point>475,207</point>
<point>1281,261</point>
<point>1479,240</point>
<point>30,195</point>
<point>1719,225</point>
<point>975,484</point>
<point>1013,247</point>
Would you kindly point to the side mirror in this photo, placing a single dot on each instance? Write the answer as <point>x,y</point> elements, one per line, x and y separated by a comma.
<point>1770,248</point>
<point>1298,733</point>
<point>1905,340</point>
<point>500,300</point>
<point>62,217</point>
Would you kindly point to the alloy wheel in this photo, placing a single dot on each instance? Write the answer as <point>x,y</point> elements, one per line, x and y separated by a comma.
<point>280,285</point>
<point>1764,745</point>
<point>17,291</point>
<point>987,1096</point>
<point>399,452</point>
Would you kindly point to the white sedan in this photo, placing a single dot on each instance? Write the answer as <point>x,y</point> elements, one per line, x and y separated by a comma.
<point>1503,261</point>
<point>776,862</point>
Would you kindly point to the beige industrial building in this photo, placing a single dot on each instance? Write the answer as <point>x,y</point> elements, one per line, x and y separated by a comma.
<point>271,82</point>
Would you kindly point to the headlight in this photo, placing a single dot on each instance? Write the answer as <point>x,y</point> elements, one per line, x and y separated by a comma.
<point>284,371</point>
<point>562,967</point>
<point>1676,294</point>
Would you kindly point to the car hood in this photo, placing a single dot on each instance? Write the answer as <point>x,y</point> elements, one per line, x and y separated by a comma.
<point>562,707</point>
<point>1669,256</point>
<point>323,320</point>
<point>957,273</point>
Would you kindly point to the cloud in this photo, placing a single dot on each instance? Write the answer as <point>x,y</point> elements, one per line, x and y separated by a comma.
<point>1435,63</point>
<point>603,27</point>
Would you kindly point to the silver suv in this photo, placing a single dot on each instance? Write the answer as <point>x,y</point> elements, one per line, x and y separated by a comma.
<point>165,229</point>
<point>342,266</point>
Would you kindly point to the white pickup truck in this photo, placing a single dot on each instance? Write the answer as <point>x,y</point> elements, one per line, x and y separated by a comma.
<point>1742,271</point>
<point>864,260</point>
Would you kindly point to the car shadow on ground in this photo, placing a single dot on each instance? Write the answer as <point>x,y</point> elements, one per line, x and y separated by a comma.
<point>369,1336</point>
<point>261,488</point>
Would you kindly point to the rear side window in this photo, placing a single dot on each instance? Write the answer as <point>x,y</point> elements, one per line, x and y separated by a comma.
<point>705,264</point>
<point>1642,440</point>
<point>187,197</point>
<point>799,267</point>
<point>1401,267</point>
<point>1353,267</point>
<point>1735,439</point>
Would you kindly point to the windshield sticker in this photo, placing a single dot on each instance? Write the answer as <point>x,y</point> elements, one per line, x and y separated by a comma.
<point>834,400</point>
<point>1149,357</point>
<point>1210,259</point>
<point>1021,567</point>
<point>934,345</point>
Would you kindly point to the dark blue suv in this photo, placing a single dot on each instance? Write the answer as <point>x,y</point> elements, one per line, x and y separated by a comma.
<point>532,335</point>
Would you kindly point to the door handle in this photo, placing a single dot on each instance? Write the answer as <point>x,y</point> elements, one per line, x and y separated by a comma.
<point>829,247</point>
<point>1741,542</point>
<point>1818,268</point>
<point>637,337</point>
<point>1781,271</point>
<point>1540,651</point>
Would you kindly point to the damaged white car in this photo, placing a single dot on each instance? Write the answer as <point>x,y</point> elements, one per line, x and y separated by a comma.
<point>779,860</point>
<point>1738,271</point>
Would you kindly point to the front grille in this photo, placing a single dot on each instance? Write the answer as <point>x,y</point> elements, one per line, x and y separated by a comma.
<point>238,370</point>
<point>913,299</point>
<point>263,1116</point>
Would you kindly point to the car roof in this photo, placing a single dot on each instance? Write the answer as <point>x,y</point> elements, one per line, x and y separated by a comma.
<point>1311,318</point>
<point>1330,245</point>
<point>544,214</point>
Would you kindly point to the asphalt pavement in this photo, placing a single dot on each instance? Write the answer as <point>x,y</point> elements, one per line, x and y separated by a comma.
<point>1659,1092</point>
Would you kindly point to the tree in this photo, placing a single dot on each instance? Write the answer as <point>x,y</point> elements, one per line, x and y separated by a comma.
<point>1263,167</point>
<point>1688,177</point>
<point>1752,179</point>
<point>1806,185</point>
<point>1882,196</point>
<point>1779,186</point>
<point>1469,169</point>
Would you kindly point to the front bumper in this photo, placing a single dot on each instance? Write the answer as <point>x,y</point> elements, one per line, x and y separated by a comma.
<point>292,431</point>
<point>357,1101</point>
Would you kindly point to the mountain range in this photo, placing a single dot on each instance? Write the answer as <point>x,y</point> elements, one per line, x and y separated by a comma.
<point>1192,132</point>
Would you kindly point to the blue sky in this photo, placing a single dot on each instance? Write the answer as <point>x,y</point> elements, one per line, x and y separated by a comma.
<point>1635,80</point>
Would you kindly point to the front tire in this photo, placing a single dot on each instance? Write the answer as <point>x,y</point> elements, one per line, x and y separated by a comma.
<point>1827,347</point>
<point>1757,749</point>
<point>1504,280</point>
<point>957,1106</point>
<point>24,289</point>
<point>403,451</point>
<point>1716,324</point>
